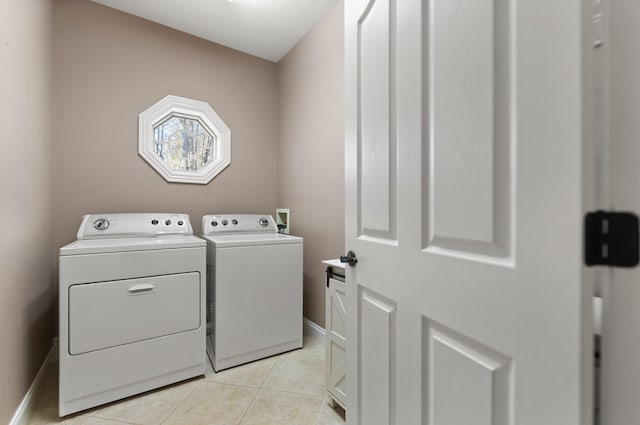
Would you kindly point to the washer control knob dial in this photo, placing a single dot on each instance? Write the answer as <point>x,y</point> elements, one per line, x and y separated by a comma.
<point>225,222</point>
<point>101,224</point>
<point>167,222</point>
<point>214,223</point>
<point>263,222</point>
<point>234,221</point>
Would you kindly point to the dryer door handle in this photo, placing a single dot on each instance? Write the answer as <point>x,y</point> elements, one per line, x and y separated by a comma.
<point>143,288</point>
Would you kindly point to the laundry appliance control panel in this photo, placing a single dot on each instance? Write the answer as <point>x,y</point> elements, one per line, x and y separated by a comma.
<point>238,223</point>
<point>133,225</point>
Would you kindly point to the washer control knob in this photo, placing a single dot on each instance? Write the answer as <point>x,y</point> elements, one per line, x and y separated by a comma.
<point>225,222</point>
<point>101,224</point>
<point>167,222</point>
<point>154,221</point>
<point>180,223</point>
<point>214,223</point>
<point>234,221</point>
<point>263,222</point>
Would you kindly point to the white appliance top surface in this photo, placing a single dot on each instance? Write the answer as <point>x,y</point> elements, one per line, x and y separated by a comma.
<point>102,233</point>
<point>250,239</point>
<point>102,246</point>
<point>335,262</point>
<point>228,230</point>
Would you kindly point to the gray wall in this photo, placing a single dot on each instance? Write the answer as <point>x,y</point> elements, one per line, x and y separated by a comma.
<point>311,150</point>
<point>26,263</point>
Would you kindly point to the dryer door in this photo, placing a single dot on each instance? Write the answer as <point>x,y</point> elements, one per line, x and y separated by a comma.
<point>107,314</point>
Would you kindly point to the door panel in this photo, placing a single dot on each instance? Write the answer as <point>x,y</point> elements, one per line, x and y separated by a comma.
<point>466,304</point>
<point>619,109</point>
<point>467,51</point>
<point>463,372</point>
<point>377,207</point>
<point>378,358</point>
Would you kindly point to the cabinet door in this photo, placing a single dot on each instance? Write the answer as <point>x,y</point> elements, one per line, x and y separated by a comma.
<point>335,341</point>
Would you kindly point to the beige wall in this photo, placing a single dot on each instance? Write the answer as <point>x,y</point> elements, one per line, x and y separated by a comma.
<point>311,150</point>
<point>110,66</point>
<point>26,267</point>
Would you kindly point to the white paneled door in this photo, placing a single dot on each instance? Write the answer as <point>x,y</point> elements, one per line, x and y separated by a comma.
<point>463,144</point>
<point>621,317</point>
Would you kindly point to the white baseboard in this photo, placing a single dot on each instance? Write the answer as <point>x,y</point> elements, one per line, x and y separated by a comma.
<point>28,404</point>
<point>310,328</point>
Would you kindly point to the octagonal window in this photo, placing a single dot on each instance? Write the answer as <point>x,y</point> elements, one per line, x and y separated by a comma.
<point>183,143</point>
<point>184,140</point>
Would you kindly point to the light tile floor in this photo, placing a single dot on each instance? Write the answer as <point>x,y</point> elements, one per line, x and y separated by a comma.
<point>281,390</point>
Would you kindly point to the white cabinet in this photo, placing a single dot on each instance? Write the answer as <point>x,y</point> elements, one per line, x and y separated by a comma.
<point>335,315</point>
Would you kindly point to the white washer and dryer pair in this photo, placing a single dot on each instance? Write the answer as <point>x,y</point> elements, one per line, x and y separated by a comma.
<point>134,301</point>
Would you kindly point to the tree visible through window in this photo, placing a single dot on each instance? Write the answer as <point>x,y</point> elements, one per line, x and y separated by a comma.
<point>184,144</point>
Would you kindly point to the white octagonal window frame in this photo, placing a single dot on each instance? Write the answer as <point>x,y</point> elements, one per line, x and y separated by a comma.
<point>196,110</point>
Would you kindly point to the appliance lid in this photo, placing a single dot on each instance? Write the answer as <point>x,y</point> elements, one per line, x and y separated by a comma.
<point>105,245</point>
<point>251,239</point>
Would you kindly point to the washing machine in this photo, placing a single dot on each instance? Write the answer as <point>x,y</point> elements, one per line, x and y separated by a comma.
<point>132,308</point>
<point>254,289</point>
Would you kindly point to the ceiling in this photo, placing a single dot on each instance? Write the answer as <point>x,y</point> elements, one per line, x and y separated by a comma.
<point>263,28</point>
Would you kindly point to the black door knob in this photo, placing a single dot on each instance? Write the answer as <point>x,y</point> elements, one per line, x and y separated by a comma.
<point>349,259</point>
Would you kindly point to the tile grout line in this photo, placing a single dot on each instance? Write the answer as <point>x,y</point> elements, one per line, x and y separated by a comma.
<point>244,414</point>
<point>249,406</point>
<point>319,411</point>
<point>269,373</point>
<point>182,401</point>
<point>280,357</point>
<point>299,392</point>
<point>292,392</point>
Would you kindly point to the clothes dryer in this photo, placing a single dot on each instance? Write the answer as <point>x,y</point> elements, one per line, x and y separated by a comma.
<point>254,289</point>
<point>132,307</point>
